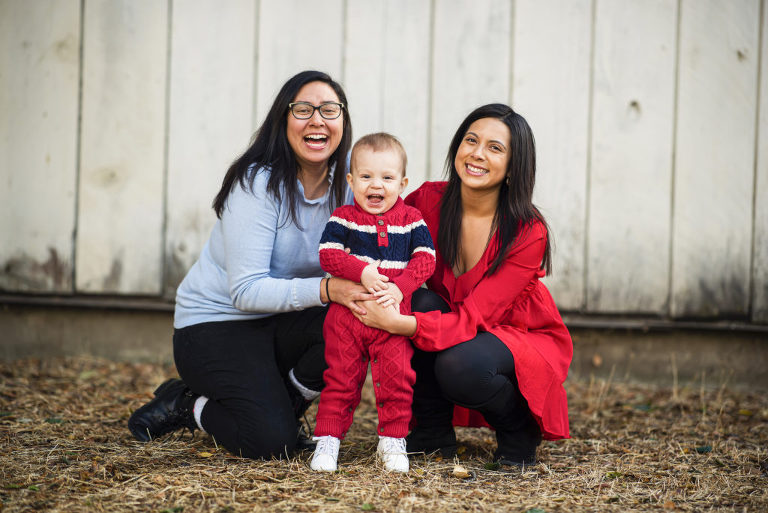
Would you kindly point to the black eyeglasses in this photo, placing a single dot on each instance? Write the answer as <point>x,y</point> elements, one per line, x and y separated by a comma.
<point>305,110</point>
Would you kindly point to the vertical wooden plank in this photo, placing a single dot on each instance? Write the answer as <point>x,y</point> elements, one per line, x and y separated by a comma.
<point>551,81</point>
<point>470,67</point>
<point>631,156</point>
<point>209,123</point>
<point>714,159</point>
<point>120,212</point>
<point>365,49</point>
<point>296,35</point>
<point>760,244</point>
<point>39,74</point>
<point>387,76</point>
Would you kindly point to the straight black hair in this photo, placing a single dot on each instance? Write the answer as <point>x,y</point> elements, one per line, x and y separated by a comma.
<point>270,148</point>
<point>515,210</point>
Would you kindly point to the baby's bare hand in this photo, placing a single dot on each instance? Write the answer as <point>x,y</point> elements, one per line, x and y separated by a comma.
<point>372,280</point>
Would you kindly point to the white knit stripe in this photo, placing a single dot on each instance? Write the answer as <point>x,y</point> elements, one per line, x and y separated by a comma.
<point>384,264</point>
<point>351,225</point>
<point>332,245</point>
<point>368,228</point>
<point>407,228</point>
<point>424,249</point>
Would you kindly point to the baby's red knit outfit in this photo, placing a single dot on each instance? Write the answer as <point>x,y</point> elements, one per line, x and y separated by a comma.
<point>400,240</point>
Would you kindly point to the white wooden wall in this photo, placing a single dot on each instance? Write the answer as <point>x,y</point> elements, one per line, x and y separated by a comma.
<point>120,117</point>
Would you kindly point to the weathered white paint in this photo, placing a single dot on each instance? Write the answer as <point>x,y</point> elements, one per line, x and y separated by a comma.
<point>631,156</point>
<point>211,101</point>
<point>760,245</point>
<point>386,75</point>
<point>414,69</point>
<point>551,90</point>
<point>120,212</point>
<point>714,164</point>
<point>293,36</point>
<point>470,64</point>
<point>39,67</point>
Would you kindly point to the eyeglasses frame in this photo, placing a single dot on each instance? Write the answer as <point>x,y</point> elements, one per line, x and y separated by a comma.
<point>315,108</point>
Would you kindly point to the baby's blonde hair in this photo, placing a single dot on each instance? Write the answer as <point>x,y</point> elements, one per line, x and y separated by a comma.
<point>380,141</point>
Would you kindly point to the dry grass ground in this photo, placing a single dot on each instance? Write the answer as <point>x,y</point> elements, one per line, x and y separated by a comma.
<point>65,447</point>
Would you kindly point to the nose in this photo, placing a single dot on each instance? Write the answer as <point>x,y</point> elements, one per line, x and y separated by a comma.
<point>316,118</point>
<point>478,153</point>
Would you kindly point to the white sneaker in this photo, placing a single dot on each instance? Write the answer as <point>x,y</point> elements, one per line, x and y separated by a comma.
<point>392,453</point>
<point>326,453</point>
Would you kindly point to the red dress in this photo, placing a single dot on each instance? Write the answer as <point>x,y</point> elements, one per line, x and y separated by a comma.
<point>513,305</point>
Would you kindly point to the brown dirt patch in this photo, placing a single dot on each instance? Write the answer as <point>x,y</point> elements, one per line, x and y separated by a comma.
<point>65,447</point>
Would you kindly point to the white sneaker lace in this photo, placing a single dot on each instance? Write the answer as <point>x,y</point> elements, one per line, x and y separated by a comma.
<point>327,445</point>
<point>392,446</point>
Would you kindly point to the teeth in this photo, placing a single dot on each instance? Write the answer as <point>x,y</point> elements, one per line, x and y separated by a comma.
<point>315,136</point>
<point>475,169</point>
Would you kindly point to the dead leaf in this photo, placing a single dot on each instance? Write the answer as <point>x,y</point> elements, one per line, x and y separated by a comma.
<point>461,472</point>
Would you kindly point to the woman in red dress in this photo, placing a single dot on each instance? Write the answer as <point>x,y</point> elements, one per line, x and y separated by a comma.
<point>492,348</point>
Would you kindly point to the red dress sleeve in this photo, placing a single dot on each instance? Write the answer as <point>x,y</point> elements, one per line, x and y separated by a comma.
<point>492,299</point>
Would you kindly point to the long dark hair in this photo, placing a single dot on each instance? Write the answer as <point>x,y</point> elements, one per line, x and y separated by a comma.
<point>270,147</point>
<point>515,210</point>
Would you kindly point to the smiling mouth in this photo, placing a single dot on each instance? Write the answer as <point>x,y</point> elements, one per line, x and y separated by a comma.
<point>375,198</point>
<point>316,140</point>
<point>475,171</point>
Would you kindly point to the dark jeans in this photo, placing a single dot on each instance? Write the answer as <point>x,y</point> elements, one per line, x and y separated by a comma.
<point>478,374</point>
<point>242,367</point>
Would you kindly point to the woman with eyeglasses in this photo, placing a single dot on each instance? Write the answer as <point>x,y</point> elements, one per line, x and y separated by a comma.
<point>491,348</point>
<point>249,314</point>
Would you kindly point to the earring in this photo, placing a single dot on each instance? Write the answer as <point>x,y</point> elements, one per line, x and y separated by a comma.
<point>508,178</point>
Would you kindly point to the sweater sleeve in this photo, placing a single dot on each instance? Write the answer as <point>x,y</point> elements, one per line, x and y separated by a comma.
<point>489,303</point>
<point>249,223</point>
<point>421,264</point>
<point>333,257</point>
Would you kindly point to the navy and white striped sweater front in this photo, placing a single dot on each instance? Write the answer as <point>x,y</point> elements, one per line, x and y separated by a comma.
<point>398,238</point>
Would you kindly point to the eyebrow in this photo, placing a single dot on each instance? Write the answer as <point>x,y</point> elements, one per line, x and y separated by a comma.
<point>492,140</point>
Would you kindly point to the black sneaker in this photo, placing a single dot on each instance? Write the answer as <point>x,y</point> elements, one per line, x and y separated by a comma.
<point>300,406</point>
<point>304,442</point>
<point>171,409</point>
<point>430,440</point>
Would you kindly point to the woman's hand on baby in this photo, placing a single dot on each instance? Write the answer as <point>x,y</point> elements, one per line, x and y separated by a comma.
<point>349,294</point>
<point>391,296</point>
<point>388,319</point>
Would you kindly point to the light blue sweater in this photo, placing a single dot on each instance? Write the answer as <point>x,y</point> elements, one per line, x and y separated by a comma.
<point>256,262</point>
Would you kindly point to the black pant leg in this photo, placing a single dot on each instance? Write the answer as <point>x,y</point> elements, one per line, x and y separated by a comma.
<point>233,364</point>
<point>299,345</point>
<point>431,409</point>
<point>480,374</point>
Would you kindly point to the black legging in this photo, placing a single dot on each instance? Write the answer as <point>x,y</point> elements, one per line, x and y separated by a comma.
<point>478,373</point>
<point>242,367</point>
